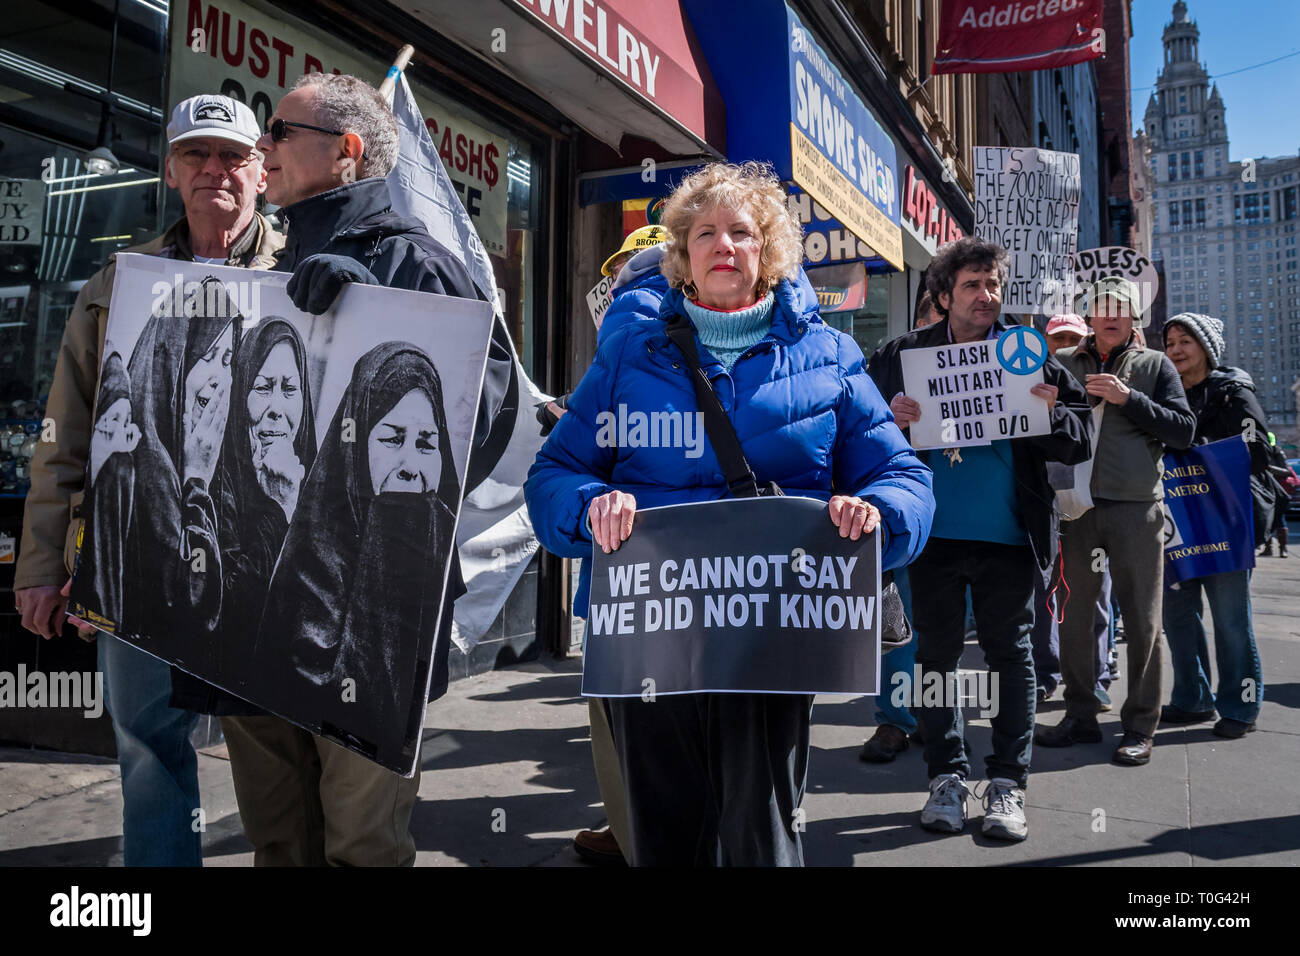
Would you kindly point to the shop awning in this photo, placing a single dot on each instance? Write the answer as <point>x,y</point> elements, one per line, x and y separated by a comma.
<point>613,66</point>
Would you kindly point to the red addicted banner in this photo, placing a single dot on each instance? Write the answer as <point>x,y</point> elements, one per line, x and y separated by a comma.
<point>1006,36</point>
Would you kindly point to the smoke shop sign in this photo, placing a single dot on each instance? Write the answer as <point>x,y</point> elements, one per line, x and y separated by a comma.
<point>839,154</point>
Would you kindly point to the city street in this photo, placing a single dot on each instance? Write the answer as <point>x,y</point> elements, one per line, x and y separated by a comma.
<point>507,779</point>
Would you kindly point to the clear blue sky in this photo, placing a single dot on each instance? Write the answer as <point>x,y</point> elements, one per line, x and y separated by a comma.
<point>1260,104</point>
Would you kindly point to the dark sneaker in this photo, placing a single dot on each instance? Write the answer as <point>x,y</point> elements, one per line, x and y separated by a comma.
<point>1133,751</point>
<point>1070,731</point>
<point>885,744</point>
<point>1169,714</point>
<point>1233,729</point>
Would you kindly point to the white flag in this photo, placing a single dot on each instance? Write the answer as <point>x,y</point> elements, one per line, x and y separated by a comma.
<point>494,535</point>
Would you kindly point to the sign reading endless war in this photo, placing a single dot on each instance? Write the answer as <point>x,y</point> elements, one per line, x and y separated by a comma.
<point>967,397</point>
<point>757,595</point>
<point>1027,201</point>
<point>273,496</point>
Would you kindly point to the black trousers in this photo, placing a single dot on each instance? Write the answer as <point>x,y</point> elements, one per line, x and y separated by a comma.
<point>713,779</point>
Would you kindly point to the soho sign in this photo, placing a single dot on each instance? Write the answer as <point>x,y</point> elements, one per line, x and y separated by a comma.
<point>922,210</point>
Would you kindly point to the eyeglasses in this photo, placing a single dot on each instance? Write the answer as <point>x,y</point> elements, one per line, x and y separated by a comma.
<point>279,130</point>
<point>197,156</point>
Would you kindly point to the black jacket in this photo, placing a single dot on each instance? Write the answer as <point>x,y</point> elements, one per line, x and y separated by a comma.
<point>1068,442</point>
<point>357,220</point>
<point>1223,401</point>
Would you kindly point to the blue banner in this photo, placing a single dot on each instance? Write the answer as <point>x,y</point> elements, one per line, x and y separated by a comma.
<point>1208,524</point>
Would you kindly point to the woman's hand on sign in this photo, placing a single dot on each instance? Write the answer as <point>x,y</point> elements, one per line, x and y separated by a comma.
<point>1107,387</point>
<point>1046,392</point>
<point>853,516</point>
<point>906,410</point>
<point>610,517</point>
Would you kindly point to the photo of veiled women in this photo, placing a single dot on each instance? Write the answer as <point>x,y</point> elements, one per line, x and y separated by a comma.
<point>112,476</point>
<point>357,589</point>
<point>270,447</point>
<point>180,370</point>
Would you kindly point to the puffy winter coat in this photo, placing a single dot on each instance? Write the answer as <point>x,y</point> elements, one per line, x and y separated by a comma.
<point>807,416</point>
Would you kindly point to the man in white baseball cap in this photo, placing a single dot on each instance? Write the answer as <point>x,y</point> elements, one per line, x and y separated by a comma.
<point>212,163</point>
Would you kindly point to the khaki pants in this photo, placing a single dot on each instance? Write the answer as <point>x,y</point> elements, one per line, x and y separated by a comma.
<point>609,777</point>
<point>1131,533</point>
<point>305,801</point>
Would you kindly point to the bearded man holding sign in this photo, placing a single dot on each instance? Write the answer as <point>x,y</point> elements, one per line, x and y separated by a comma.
<point>994,529</point>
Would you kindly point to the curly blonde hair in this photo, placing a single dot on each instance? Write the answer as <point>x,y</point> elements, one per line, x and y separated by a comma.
<point>752,187</point>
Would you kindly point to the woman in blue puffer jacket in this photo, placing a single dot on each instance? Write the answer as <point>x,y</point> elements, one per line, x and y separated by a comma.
<point>717,778</point>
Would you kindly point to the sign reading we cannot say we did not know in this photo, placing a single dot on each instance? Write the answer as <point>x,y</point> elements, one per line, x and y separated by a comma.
<point>757,595</point>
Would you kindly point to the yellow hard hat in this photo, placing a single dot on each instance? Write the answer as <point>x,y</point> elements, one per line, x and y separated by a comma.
<point>636,240</point>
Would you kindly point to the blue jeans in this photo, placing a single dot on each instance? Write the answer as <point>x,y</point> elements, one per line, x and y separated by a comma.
<point>1241,678</point>
<point>1000,578</point>
<point>898,661</point>
<point>160,776</point>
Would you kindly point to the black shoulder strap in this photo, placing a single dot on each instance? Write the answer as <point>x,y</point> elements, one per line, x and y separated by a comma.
<point>722,434</point>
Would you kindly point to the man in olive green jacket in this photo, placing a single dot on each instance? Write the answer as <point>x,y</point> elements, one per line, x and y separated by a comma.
<point>1145,412</point>
<point>218,173</point>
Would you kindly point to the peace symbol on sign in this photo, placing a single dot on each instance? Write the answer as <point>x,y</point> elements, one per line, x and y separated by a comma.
<point>1022,350</point>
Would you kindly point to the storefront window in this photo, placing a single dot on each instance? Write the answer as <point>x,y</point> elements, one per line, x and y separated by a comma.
<point>69,87</point>
<point>868,325</point>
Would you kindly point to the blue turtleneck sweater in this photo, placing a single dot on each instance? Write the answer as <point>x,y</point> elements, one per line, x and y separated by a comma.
<point>728,334</point>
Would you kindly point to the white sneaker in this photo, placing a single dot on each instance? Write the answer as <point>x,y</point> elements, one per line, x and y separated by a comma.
<point>1004,810</point>
<point>945,811</point>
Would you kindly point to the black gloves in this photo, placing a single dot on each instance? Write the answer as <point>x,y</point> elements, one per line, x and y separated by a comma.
<point>318,280</point>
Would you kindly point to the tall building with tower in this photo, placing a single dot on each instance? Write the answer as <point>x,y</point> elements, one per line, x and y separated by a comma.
<point>1225,231</point>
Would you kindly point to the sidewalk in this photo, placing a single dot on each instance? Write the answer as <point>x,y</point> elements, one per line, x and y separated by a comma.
<point>507,780</point>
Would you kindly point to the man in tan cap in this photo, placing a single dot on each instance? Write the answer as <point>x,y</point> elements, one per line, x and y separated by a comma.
<point>212,163</point>
<point>1146,411</point>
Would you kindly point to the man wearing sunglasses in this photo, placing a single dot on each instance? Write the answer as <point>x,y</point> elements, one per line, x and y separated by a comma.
<point>328,149</point>
<point>212,163</point>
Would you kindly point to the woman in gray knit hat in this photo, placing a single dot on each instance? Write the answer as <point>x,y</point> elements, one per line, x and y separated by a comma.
<point>1222,399</point>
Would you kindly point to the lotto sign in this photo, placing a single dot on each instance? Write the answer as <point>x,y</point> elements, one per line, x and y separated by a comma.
<point>968,398</point>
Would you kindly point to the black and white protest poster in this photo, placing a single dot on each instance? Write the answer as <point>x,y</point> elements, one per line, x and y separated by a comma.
<point>272,496</point>
<point>970,397</point>
<point>1093,265</point>
<point>1027,201</point>
<point>750,595</point>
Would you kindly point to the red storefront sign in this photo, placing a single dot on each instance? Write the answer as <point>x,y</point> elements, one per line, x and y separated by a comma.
<point>648,48</point>
<point>1005,36</point>
<point>921,208</point>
